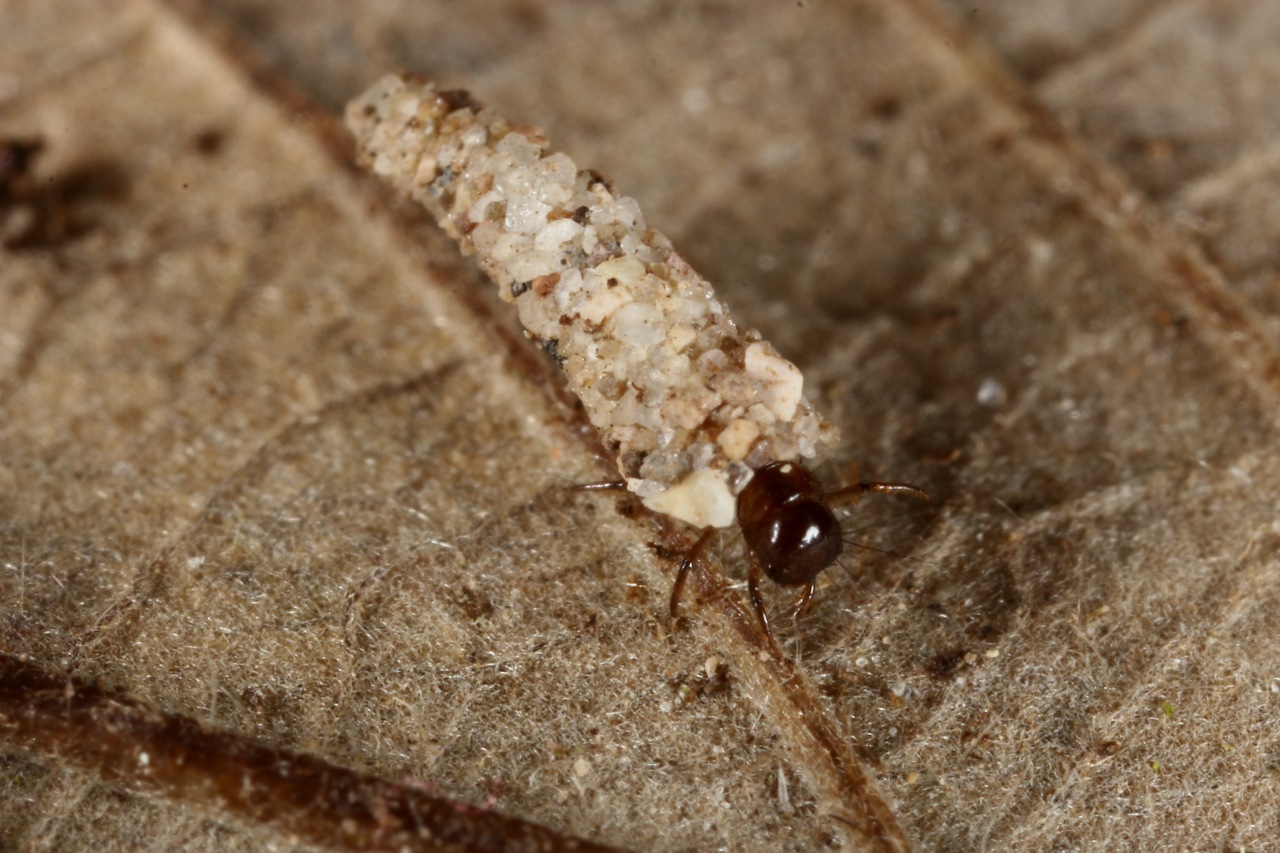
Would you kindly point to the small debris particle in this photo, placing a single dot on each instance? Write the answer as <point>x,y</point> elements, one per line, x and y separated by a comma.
<point>992,394</point>
<point>1107,748</point>
<point>784,795</point>
<point>209,142</point>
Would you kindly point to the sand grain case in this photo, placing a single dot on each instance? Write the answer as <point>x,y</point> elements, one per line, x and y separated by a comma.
<point>689,404</point>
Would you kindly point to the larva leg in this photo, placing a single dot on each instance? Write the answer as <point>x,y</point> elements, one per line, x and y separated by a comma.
<point>686,565</point>
<point>806,597</point>
<point>757,599</point>
<point>607,486</point>
<point>857,490</point>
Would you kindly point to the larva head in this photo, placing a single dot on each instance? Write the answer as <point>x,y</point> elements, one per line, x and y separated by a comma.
<point>788,523</point>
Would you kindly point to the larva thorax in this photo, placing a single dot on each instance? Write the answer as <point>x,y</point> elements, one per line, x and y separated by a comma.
<point>688,403</point>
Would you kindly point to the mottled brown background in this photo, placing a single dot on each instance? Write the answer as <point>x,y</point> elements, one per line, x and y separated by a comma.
<point>270,458</point>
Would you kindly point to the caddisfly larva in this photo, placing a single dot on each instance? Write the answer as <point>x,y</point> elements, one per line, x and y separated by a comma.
<point>707,422</point>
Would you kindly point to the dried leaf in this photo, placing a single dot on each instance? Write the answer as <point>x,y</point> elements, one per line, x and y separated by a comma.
<point>271,457</point>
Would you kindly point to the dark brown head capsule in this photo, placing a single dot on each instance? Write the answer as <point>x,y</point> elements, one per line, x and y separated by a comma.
<point>790,530</point>
<point>788,525</point>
